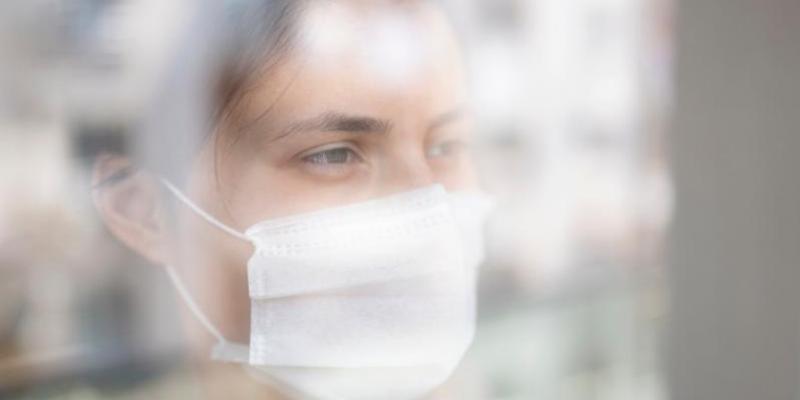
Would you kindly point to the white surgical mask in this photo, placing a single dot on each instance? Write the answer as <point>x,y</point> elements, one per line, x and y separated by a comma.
<point>374,300</point>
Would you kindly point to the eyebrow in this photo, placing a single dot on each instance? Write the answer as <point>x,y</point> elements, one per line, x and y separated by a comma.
<point>337,122</point>
<point>446,118</point>
<point>340,122</point>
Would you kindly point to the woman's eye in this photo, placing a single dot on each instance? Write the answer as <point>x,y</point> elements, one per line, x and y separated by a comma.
<point>338,155</point>
<point>447,148</point>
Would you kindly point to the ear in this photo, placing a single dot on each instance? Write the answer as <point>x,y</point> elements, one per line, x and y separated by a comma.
<point>130,206</point>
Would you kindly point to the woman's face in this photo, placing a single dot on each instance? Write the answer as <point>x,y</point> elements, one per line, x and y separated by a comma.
<point>368,101</point>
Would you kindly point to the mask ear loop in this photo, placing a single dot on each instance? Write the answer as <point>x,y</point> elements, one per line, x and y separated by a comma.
<point>202,213</point>
<point>193,307</point>
<point>224,350</point>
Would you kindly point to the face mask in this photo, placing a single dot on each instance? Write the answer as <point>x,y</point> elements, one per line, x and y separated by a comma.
<point>366,301</point>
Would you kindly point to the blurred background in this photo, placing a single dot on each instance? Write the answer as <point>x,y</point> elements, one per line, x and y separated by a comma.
<point>642,153</point>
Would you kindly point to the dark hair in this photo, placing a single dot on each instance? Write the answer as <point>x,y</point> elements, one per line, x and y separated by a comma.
<point>223,53</point>
<point>262,31</point>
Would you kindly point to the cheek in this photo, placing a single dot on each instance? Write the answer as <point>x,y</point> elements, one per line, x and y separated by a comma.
<point>213,265</point>
<point>457,174</point>
<point>213,262</point>
<point>266,192</point>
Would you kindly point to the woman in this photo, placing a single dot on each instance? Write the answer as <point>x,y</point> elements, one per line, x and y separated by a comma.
<point>322,226</point>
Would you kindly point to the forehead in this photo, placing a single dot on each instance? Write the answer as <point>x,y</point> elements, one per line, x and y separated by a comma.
<point>370,57</point>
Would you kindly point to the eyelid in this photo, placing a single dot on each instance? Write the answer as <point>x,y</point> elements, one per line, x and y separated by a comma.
<point>459,143</point>
<point>331,146</point>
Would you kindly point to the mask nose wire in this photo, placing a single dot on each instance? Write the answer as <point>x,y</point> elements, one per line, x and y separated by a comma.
<point>202,213</point>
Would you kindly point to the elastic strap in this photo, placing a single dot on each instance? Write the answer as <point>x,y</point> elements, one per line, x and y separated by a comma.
<point>193,307</point>
<point>199,211</point>
<point>223,350</point>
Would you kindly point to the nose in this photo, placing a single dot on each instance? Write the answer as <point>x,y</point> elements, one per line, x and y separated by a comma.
<point>405,171</point>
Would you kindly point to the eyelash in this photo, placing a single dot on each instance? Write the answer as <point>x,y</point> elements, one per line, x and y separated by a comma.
<point>339,159</point>
<point>331,155</point>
